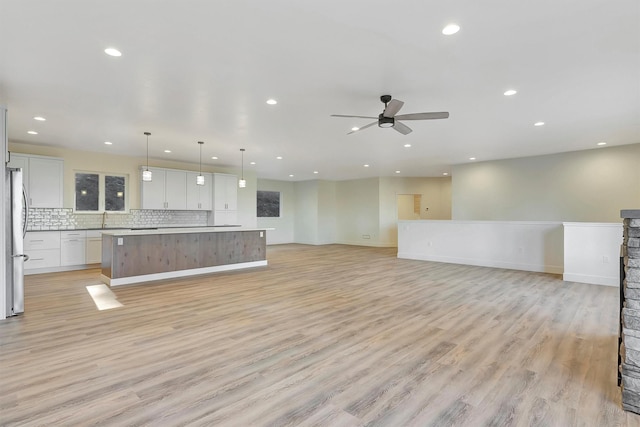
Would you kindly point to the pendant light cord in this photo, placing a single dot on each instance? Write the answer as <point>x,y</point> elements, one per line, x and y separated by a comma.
<point>147,133</point>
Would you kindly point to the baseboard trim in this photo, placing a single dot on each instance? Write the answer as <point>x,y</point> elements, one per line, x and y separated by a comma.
<point>180,273</point>
<point>553,269</point>
<point>592,280</point>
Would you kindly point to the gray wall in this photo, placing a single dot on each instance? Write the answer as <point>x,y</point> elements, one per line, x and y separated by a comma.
<point>591,186</point>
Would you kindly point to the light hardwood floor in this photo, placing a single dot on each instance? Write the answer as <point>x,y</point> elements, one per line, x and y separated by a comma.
<point>324,336</point>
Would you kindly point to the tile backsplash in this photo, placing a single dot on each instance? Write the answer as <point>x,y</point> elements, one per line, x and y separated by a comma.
<point>66,219</point>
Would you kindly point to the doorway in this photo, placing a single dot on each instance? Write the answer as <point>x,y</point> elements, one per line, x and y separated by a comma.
<point>409,206</point>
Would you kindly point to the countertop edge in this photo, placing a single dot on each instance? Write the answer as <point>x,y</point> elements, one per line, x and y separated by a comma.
<point>180,231</point>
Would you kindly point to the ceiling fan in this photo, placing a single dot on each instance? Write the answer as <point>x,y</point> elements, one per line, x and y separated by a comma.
<point>388,118</point>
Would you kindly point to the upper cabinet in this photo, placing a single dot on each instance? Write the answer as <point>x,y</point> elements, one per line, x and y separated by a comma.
<point>166,190</point>
<point>199,196</point>
<point>225,192</point>
<point>177,190</point>
<point>225,200</point>
<point>43,179</point>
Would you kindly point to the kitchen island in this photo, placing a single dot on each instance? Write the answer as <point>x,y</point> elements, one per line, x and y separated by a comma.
<point>136,256</point>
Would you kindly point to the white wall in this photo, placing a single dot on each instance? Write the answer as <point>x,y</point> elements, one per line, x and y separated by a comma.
<point>592,252</point>
<point>591,186</point>
<point>327,212</point>
<point>358,212</point>
<point>346,212</point>
<point>284,226</point>
<point>436,196</point>
<point>306,218</point>
<point>530,246</point>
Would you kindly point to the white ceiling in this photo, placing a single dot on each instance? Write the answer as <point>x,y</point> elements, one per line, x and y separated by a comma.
<point>202,70</point>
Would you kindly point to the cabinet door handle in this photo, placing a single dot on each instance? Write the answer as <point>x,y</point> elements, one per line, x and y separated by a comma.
<point>37,259</point>
<point>32,241</point>
<point>73,240</point>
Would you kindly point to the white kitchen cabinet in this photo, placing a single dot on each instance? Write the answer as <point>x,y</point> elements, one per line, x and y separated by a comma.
<point>166,190</point>
<point>199,196</point>
<point>176,189</point>
<point>225,200</point>
<point>152,192</point>
<point>43,248</point>
<point>94,247</point>
<point>73,247</point>
<point>20,161</point>
<point>225,192</point>
<point>43,179</point>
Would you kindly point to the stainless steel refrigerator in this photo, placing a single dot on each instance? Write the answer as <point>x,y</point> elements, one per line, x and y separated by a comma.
<point>15,228</point>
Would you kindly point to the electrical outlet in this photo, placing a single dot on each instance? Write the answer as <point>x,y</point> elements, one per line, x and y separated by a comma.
<point>429,243</point>
<point>120,241</point>
<point>366,236</point>
<point>262,234</point>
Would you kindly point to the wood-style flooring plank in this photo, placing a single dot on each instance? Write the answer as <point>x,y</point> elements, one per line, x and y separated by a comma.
<point>323,336</point>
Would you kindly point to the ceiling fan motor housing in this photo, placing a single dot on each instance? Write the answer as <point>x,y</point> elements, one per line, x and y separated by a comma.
<point>385,122</point>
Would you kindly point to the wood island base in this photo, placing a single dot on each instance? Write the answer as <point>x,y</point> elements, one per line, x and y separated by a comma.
<point>130,257</point>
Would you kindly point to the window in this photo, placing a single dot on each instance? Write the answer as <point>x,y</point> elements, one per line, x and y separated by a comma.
<point>101,192</point>
<point>268,204</point>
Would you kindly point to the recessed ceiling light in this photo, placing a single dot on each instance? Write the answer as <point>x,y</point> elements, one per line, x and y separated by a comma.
<point>355,128</point>
<point>602,143</point>
<point>279,157</point>
<point>538,124</point>
<point>445,173</point>
<point>366,166</point>
<point>252,163</point>
<point>272,101</point>
<point>112,51</point>
<point>290,175</point>
<point>32,132</point>
<point>510,92</point>
<point>39,118</point>
<point>450,29</point>
<point>407,145</point>
<point>214,158</point>
<point>397,171</point>
<point>472,158</point>
<point>167,151</point>
<point>316,172</point>
<point>108,143</point>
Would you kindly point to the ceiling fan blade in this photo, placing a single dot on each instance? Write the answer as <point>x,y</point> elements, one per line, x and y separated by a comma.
<point>357,117</point>
<point>392,108</point>
<point>423,116</point>
<point>363,127</point>
<point>401,127</point>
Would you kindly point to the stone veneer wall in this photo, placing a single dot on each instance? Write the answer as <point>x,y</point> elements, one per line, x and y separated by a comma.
<point>630,312</point>
<point>66,219</point>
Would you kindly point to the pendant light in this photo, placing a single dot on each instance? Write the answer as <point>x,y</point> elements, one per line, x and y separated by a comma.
<point>242,183</point>
<point>146,174</point>
<point>200,177</point>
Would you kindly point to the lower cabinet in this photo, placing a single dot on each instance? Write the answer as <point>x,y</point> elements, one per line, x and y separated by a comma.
<point>73,247</point>
<point>61,250</point>
<point>94,247</point>
<point>43,249</point>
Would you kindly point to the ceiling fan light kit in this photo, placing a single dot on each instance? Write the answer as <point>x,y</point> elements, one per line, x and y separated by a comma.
<point>389,119</point>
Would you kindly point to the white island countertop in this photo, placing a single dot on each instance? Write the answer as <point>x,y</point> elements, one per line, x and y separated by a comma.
<point>150,231</point>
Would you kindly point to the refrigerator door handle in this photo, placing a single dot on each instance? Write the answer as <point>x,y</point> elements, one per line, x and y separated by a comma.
<point>25,256</point>
<point>26,212</point>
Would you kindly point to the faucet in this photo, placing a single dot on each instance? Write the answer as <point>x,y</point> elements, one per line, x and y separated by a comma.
<point>104,219</point>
